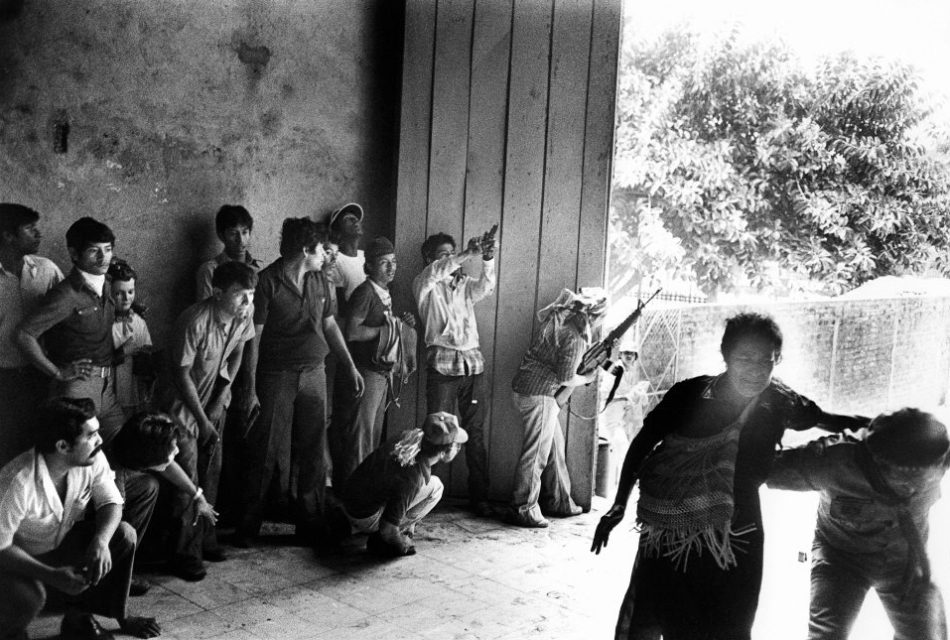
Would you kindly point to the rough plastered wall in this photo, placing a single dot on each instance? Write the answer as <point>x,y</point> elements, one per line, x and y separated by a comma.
<point>150,115</point>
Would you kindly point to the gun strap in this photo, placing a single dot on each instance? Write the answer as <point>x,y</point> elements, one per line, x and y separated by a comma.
<point>617,371</point>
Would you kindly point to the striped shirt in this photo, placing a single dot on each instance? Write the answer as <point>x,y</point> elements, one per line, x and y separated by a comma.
<point>548,364</point>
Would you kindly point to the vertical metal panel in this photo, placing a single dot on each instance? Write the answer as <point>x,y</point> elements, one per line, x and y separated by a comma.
<point>524,186</point>
<point>484,187</point>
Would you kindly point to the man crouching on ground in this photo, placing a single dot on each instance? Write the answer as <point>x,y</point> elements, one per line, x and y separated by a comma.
<point>44,539</point>
<point>394,488</point>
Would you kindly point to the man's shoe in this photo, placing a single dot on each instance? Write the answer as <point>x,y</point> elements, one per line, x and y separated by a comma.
<point>82,627</point>
<point>379,547</point>
<point>214,554</point>
<point>557,513</point>
<point>528,521</point>
<point>139,586</point>
<point>482,509</point>
<point>188,569</point>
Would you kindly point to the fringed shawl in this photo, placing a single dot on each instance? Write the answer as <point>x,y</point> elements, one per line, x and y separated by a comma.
<point>686,497</point>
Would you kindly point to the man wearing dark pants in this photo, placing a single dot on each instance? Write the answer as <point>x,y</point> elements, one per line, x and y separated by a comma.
<point>75,321</point>
<point>445,297</point>
<point>45,540</point>
<point>295,329</point>
<point>24,280</point>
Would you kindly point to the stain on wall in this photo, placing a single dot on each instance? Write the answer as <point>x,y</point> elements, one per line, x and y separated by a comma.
<point>150,116</point>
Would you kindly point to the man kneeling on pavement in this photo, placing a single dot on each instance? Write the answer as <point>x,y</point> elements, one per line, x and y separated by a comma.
<point>393,489</point>
<point>47,543</point>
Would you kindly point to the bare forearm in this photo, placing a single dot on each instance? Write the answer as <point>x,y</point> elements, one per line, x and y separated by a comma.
<point>15,560</point>
<point>107,521</point>
<point>179,479</point>
<point>190,393</point>
<point>31,348</point>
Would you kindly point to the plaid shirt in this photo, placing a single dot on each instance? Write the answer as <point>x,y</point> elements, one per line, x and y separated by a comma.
<point>547,365</point>
<point>452,362</point>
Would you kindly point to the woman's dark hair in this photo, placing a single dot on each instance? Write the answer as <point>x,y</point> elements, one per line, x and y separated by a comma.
<point>145,440</point>
<point>122,271</point>
<point>232,215</point>
<point>87,231</point>
<point>745,325</point>
<point>61,419</point>
<point>434,241</point>
<point>298,234</point>
<point>13,216</point>
<point>232,272</point>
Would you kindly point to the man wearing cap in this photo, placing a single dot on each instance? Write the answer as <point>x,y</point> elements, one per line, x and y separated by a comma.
<point>446,299</point>
<point>346,231</point>
<point>369,315</point>
<point>394,488</point>
<point>876,492</point>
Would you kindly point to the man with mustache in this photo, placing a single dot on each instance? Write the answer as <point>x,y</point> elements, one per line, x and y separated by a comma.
<point>24,279</point>
<point>46,541</point>
<point>75,322</point>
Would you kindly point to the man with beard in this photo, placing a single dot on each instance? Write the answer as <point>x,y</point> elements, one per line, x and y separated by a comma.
<point>47,542</point>
<point>24,279</point>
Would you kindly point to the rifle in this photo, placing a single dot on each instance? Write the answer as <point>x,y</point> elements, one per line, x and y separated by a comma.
<point>599,354</point>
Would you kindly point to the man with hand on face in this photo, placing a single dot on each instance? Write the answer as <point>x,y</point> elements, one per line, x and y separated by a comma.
<point>24,280</point>
<point>446,296</point>
<point>75,321</point>
<point>295,326</point>
<point>45,539</point>
<point>207,346</point>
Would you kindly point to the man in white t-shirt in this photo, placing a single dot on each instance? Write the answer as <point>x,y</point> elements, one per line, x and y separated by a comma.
<point>47,541</point>
<point>346,231</point>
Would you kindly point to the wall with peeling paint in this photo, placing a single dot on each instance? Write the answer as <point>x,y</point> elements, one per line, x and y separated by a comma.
<point>150,115</point>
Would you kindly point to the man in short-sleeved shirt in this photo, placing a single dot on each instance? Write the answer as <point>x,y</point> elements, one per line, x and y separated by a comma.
<point>24,280</point>
<point>293,318</point>
<point>75,321</point>
<point>46,538</point>
<point>206,351</point>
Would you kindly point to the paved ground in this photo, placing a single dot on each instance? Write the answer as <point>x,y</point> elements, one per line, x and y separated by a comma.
<point>471,579</point>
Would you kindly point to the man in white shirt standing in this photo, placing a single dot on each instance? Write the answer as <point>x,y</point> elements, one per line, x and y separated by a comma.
<point>24,279</point>
<point>45,539</point>
<point>446,296</point>
<point>346,231</point>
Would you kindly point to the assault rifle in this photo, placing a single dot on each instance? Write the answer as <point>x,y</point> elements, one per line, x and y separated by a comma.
<point>599,354</point>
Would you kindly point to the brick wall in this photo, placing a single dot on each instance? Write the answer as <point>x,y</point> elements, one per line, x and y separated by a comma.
<point>860,356</point>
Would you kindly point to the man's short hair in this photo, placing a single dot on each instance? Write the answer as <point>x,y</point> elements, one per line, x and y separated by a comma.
<point>13,216</point>
<point>87,231</point>
<point>746,325</point>
<point>122,271</point>
<point>233,272</point>
<point>61,419</point>
<point>145,440</point>
<point>298,234</point>
<point>232,215</point>
<point>435,241</point>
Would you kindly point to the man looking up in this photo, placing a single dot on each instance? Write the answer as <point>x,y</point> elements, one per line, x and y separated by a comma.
<point>446,296</point>
<point>45,540</point>
<point>24,280</point>
<point>295,327</point>
<point>75,320</point>
<point>346,231</point>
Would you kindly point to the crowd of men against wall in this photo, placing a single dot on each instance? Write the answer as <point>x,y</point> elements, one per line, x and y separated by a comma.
<point>268,402</point>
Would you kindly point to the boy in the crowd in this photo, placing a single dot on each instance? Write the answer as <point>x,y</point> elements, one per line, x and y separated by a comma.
<point>877,488</point>
<point>393,489</point>
<point>130,335</point>
<point>24,279</point>
<point>206,350</point>
<point>75,322</point>
<point>233,224</point>
<point>47,541</point>
<point>295,327</point>
<point>446,296</point>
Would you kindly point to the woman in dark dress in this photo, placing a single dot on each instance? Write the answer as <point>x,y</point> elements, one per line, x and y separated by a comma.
<point>700,458</point>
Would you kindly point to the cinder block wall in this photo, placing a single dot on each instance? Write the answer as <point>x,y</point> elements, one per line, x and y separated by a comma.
<point>151,115</point>
<point>860,356</point>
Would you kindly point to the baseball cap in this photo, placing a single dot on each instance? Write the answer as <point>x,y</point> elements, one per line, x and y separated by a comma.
<point>443,428</point>
<point>349,207</point>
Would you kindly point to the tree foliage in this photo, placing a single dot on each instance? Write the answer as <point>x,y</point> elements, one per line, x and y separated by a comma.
<point>736,165</point>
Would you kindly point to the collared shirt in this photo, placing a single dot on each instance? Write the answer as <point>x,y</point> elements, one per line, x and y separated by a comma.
<point>206,270</point>
<point>381,483</point>
<point>852,516</point>
<point>204,340</point>
<point>549,363</point>
<point>74,322</point>
<point>446,305</point>
<point>19,297</point>
<point>292,337</point>
<point>33,516</point>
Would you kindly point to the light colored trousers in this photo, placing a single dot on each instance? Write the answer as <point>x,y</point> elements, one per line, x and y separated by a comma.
<point>421,504</point>
<point>542,467</point>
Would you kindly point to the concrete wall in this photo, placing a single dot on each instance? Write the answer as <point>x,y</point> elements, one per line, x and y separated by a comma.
<point>850,356</point>
<point>150,115</point>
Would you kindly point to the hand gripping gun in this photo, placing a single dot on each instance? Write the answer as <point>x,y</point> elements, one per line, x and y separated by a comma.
<point>599,354</point>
